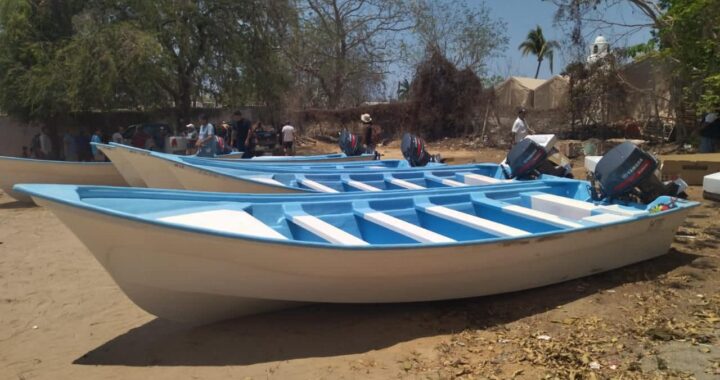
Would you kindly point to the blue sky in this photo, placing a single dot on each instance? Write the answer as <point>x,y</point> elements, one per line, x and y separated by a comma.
<point>523,15</point>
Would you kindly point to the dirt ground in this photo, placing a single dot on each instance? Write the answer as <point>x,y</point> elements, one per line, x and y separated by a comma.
<point>62,317</point>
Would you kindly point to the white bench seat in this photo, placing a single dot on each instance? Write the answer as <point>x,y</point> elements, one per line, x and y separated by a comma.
<point>404,228</point>
<point>540,216</point>
<point>406,184</point>
<point>479,179</point>
<point>317,186</point>
<point>232,221</point>
<point>605,218</point>
<point>472,221</point>
<point>267,180</point>
<point>451,183</point>
<point>575,209</point>
<point>361,186</point>
<point>326,230</point>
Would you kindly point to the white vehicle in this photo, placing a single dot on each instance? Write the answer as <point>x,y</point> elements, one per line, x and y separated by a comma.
<point>157,137</point>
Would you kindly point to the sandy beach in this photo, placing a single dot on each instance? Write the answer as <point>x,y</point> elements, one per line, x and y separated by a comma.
<point>63,317</point>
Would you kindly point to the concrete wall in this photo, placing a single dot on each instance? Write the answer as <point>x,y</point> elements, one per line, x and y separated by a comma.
<point>14,135</point>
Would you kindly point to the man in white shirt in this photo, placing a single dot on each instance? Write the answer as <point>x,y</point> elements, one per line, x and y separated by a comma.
<point>206,138</point>
<point>288,138</point>
<point>520,128</point>
<point>117,137</point>
<point>45,144</point>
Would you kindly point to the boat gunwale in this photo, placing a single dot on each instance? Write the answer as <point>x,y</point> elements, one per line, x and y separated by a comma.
<point>76,202</point>
<point>42,161</point>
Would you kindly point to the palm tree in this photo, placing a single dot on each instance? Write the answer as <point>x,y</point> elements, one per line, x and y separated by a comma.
<point>403,90</point>
<point>536,45</point>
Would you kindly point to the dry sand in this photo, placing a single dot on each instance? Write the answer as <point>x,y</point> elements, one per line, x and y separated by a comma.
<point>62,317</point>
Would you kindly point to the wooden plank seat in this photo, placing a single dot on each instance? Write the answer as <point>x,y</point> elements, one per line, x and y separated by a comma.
<point>223,220</point>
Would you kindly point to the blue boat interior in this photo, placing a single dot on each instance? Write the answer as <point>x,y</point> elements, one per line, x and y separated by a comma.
<point>504,211</point>
<point>289,165</point>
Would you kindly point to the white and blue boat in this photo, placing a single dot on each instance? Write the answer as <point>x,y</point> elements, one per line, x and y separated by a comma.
<point>169,172</point>
<point>144,168</point>
<point>194,256</point>
<point>199,178</point>
<point>15,170</point>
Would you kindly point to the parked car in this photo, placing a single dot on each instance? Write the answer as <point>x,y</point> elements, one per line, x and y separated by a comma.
<point>155,136</point>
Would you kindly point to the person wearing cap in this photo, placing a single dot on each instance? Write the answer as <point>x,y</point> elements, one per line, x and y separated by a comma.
<point>520,128</point>
<point>371,133</point>
<point>710,133</point>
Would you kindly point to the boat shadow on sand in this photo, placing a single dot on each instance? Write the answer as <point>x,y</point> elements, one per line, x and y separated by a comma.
<point>9,205</point>
<point>324,330</point>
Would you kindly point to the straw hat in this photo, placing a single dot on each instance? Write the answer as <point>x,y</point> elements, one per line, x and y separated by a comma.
<point>365,118</point>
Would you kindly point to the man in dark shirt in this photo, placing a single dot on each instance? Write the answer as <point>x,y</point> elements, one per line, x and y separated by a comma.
<point>240,128</point>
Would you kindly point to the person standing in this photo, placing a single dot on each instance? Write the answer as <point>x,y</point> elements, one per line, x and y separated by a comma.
<point>46,148</point>
<point>240,128</point>
<point>69,147</point>
<point>117,137</point>
<point>96,138</point>
<point>710,133</point>
<point>371,133</point>
<point>520,128</point>
<point>191,136</point>
<point>288,138</point>
<point>251,140</point>
<point>206,138</point>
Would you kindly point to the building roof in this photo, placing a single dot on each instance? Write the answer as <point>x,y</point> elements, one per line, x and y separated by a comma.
<point>529,83</point>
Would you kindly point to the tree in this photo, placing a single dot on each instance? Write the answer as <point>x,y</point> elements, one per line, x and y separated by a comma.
<point>342,47</point>
<point>691,37</point>
<point>403,89</point>
<point>59,56</point>
<point>31,35</point>
<point>537,45</point>
<point>684,32</point>
<point>466,35</point>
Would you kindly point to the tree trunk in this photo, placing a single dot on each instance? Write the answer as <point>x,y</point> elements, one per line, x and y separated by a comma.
<point>537,72</point>
<point>183,103</point>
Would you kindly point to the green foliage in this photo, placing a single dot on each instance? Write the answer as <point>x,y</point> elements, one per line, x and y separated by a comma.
<point>466,35</point>
<point>537,45</point>
<point>60,56</point>
<point>692,38</point>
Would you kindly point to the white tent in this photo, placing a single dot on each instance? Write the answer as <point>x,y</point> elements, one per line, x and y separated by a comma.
<point>517,91</point>
<point>554,93</point>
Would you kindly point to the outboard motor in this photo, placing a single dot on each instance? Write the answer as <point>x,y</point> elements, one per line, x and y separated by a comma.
<point>627,172</point>
<point>350,144</point>
<point>528,159</point>
<point>413,149</point>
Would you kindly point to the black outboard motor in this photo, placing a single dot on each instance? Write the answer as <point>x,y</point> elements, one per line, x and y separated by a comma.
<point>350,144</point>
<point>627,172</point>
<point>528,160</point>
<point>413,149</point>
